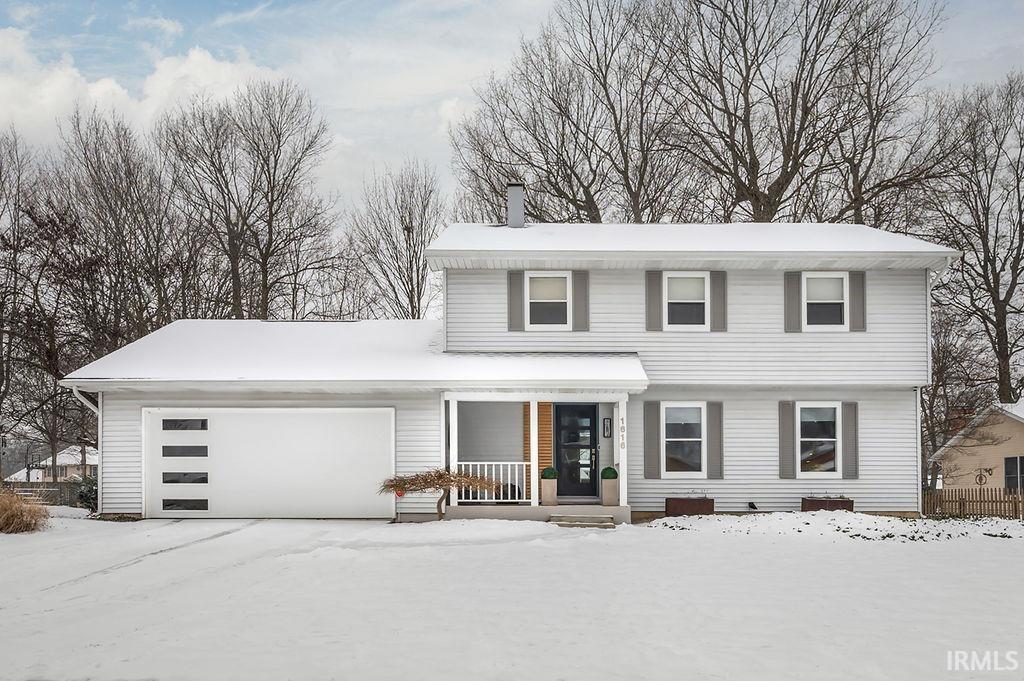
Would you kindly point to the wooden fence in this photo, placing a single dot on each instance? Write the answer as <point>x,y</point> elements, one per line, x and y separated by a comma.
<point>974,501</point>
<point>48,493</point>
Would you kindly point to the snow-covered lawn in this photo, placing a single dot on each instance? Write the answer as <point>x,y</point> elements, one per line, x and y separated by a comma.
<point>780,596</point>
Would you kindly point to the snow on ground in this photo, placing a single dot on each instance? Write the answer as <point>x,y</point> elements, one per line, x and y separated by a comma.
<point>848,525</point>
<point>765,597</point>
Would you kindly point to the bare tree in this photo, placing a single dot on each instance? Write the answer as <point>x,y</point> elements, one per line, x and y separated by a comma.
<point>958,392</point>
<point>400,213</point>
<point>978,208</point>
<point>780,98</point>
<point>894,141</point>
<point>580,117</point>
<point>15,182</point>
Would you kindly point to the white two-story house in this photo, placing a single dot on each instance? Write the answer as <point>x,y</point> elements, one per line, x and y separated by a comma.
<point>752,364</point>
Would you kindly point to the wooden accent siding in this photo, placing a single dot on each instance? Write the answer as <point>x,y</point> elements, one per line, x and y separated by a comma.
<point>545,437</point>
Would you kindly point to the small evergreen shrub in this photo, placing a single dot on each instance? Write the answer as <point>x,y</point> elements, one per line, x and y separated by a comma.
<point>88,493</point>
<point>18,515</point>
<point>549,473</point>
<point>609,473</point>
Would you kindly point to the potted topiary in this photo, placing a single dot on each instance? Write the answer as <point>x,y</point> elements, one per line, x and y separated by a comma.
<point>549,487</point>
<point>609,486</point>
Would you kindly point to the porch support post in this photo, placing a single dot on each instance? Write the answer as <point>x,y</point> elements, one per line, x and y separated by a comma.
<point>453,447</point>
<point>534,456</point>
<point>620,450</point>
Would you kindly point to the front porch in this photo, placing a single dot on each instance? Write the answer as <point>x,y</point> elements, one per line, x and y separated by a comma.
<point>512,438</point>
<point>619,514</point>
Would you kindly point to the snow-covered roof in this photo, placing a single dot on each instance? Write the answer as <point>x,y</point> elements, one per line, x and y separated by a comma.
<point>72,456</point>
<point>381,354</point>
<point>69,456</point>
<point>743,244</point>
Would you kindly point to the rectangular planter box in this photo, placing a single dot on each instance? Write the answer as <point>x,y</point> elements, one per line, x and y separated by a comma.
<point>609,492</point>
<point>688,506</point>
<point>822,504</point>
<point>548,492</point>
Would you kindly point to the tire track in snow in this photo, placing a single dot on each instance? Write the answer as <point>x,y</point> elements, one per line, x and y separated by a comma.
<point>139,559</point>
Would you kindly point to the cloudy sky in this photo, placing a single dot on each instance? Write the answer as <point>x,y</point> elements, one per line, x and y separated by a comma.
<point>389,75</point>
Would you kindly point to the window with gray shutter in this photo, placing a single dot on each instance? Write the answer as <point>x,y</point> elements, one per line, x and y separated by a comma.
<point>719,302</point>
<point>581,301</point>
<point>652,285</point>
<point>715,444</point>
<point>652,437</point>
<point>792,312</point>
<point>849,452</point>
<point>858,306</point>
<point>787,440</point>
<point>516,317</point>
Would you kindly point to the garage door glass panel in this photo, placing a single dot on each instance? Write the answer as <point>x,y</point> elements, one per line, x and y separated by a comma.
<point>184,450</point>
<point>199,478</point>
<point>186,505</point>
<point>185,424</point>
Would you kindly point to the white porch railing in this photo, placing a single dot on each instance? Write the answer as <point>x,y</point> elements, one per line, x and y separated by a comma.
<point>512,476</point>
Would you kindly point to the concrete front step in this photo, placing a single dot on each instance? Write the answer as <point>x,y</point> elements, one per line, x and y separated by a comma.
<point>598,521</point>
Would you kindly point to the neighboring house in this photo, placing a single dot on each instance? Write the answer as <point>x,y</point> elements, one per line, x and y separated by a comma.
<point>987,452</point>
<point>69,467</point>
<point>753,363</point>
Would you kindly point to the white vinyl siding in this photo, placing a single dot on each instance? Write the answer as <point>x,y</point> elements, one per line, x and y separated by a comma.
<point>418,439</point>
<point>755,350</point>
<point>887,450</point>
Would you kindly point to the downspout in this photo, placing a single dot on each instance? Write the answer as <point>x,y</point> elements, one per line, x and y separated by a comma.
<point>86,401</point>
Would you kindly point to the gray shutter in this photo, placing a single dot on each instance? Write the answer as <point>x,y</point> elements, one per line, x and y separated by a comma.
<point>516,317</point>
<point>652,281</point>
<point>791,306</point>
<point>714,421</point>
<point>858,309</point>
<point>581,301</point>
<point>850,470</point>
<point>652,440</point>
<point>719,302</point>
<point>787,440</point>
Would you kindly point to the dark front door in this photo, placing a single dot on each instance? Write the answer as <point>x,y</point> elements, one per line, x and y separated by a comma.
<point>576,440</point>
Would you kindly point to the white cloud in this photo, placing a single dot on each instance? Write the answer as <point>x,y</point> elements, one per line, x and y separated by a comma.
<point>168,27</point>
<point>36,95</point>
<point>20,14</point>
<point>229,18</point>
<point>389,83</point>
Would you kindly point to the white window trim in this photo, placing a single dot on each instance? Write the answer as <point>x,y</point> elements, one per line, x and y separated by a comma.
<point>703,473</point>
<point>706,326</point>
<point>826,475</point>
<point>568,301</point>
<point>815,328</point>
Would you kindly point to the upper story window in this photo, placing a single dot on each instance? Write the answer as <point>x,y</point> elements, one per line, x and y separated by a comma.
<point>818,446</point>
<point>687,300</point>
<point>548,300</point>
<point>684,440</point>
<point>825,304</point>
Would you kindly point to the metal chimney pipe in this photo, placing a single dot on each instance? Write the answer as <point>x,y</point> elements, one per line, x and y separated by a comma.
<point>516,205</point>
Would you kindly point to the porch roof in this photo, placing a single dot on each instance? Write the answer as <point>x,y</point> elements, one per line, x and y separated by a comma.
<point>392,355</point>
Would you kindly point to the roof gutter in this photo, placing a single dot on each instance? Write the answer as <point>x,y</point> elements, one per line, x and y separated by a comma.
<point>92,406</point>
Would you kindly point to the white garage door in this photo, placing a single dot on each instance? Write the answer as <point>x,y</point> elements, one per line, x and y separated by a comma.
<point>268,463</point>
